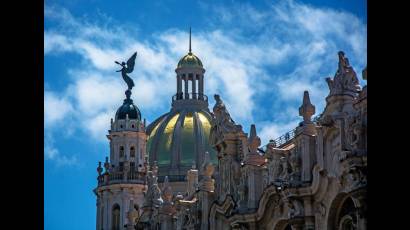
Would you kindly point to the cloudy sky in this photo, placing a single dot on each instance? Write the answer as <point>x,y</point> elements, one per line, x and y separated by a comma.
<point>258,56</point>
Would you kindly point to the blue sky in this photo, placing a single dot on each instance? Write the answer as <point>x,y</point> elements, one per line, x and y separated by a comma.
<point>259,56</point>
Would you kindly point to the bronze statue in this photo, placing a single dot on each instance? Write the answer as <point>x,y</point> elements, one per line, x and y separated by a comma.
<point>128,68</point>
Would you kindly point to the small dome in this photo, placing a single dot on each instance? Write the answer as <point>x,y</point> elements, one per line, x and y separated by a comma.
<point>128,108</point>
<point>189,60</point>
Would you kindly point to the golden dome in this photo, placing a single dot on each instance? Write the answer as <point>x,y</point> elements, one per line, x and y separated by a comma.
<point>182,134</point>
<point>189,60</point>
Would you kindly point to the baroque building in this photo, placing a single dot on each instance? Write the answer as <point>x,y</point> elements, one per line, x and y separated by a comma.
<point>196,169</point>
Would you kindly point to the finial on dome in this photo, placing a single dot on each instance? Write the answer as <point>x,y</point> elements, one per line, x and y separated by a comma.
<point>190,40</point>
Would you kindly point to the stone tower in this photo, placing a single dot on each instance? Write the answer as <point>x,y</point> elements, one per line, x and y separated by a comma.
<point>121,185</point>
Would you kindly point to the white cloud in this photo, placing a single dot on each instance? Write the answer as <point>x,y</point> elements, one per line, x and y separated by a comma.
<point>99,57</point>
<point>56,43</point>
<point>274,130</point>
<point>276,52</point>
<point>94,93</point>
<point>98,125</point>
<point>51,153</point>
<point>55,108</point>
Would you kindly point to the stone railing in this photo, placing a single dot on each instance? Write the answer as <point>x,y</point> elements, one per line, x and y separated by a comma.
<point>316,118</point>
<point>132,177</point>
<point>190,96</point>
<point>285,138</point>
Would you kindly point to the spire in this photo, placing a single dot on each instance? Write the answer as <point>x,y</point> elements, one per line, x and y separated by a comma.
<point>253,132</point>
<point>252,157</point>
<point>167,191</point>
<point>190,40</point>
<point>253,140</point>
<point>306,110</point>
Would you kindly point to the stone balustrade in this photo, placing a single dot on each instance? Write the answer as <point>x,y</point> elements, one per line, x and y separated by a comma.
<point>132,177</point>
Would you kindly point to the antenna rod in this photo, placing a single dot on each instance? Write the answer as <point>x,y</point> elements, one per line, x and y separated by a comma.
<point>190,39</point>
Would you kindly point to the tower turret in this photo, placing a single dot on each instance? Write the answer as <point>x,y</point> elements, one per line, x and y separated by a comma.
<point>123,181</point>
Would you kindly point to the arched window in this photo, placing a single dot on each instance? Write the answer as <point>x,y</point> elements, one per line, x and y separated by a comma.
<point>121,151</point>
<point>132,151</point>
<point>115,217</point>
<point>347,216</point>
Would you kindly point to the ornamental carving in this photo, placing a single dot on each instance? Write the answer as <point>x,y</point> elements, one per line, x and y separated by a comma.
<point>345,79</point>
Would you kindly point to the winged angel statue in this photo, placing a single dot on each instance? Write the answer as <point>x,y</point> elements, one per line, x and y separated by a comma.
<point>128,68</point>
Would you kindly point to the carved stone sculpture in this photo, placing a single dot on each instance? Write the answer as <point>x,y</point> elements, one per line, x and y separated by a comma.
<point>276,157</point>
<point>253,157</point>
<point>345,79</point>
<point>132,214</point>
<point>295,208</point>
<point>153,196</point>
<point>222,116</point>
<point>284,172</point>
<point>221,122</point>
<point>295,164</point>
<point>207,183</point>
<point>167,191</point>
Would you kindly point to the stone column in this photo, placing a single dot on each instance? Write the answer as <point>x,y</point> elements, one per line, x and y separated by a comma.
<point>192,179</point>
<point>201,86</point>
<point>207,198</point>
<point>308,150</point>
<point>122,210</point>
<point>179,87</point>
<point>98,212</point>
<point>254,185</point>
<point>102,217</point>
<point>207,188</point>
<point>194,86</point>
<point>319,148</point>
<point>186,87</point>
<point>107,213</point>
<point>309,214</point>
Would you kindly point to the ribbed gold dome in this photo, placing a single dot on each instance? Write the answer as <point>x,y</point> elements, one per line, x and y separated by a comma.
<point>189,60</point>
<point>181,135</point>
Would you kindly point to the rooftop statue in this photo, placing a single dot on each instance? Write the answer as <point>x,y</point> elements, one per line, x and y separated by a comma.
<point>153,196</point>
<point>223,118</point>
<point>128,68</point>
<point>221,122</point>
<point>345,78</point>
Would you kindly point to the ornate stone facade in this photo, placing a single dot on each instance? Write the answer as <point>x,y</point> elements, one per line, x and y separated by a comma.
<point>313,177</point>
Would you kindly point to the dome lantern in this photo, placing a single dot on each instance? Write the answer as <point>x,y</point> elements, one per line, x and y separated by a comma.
<point>179,137</point>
